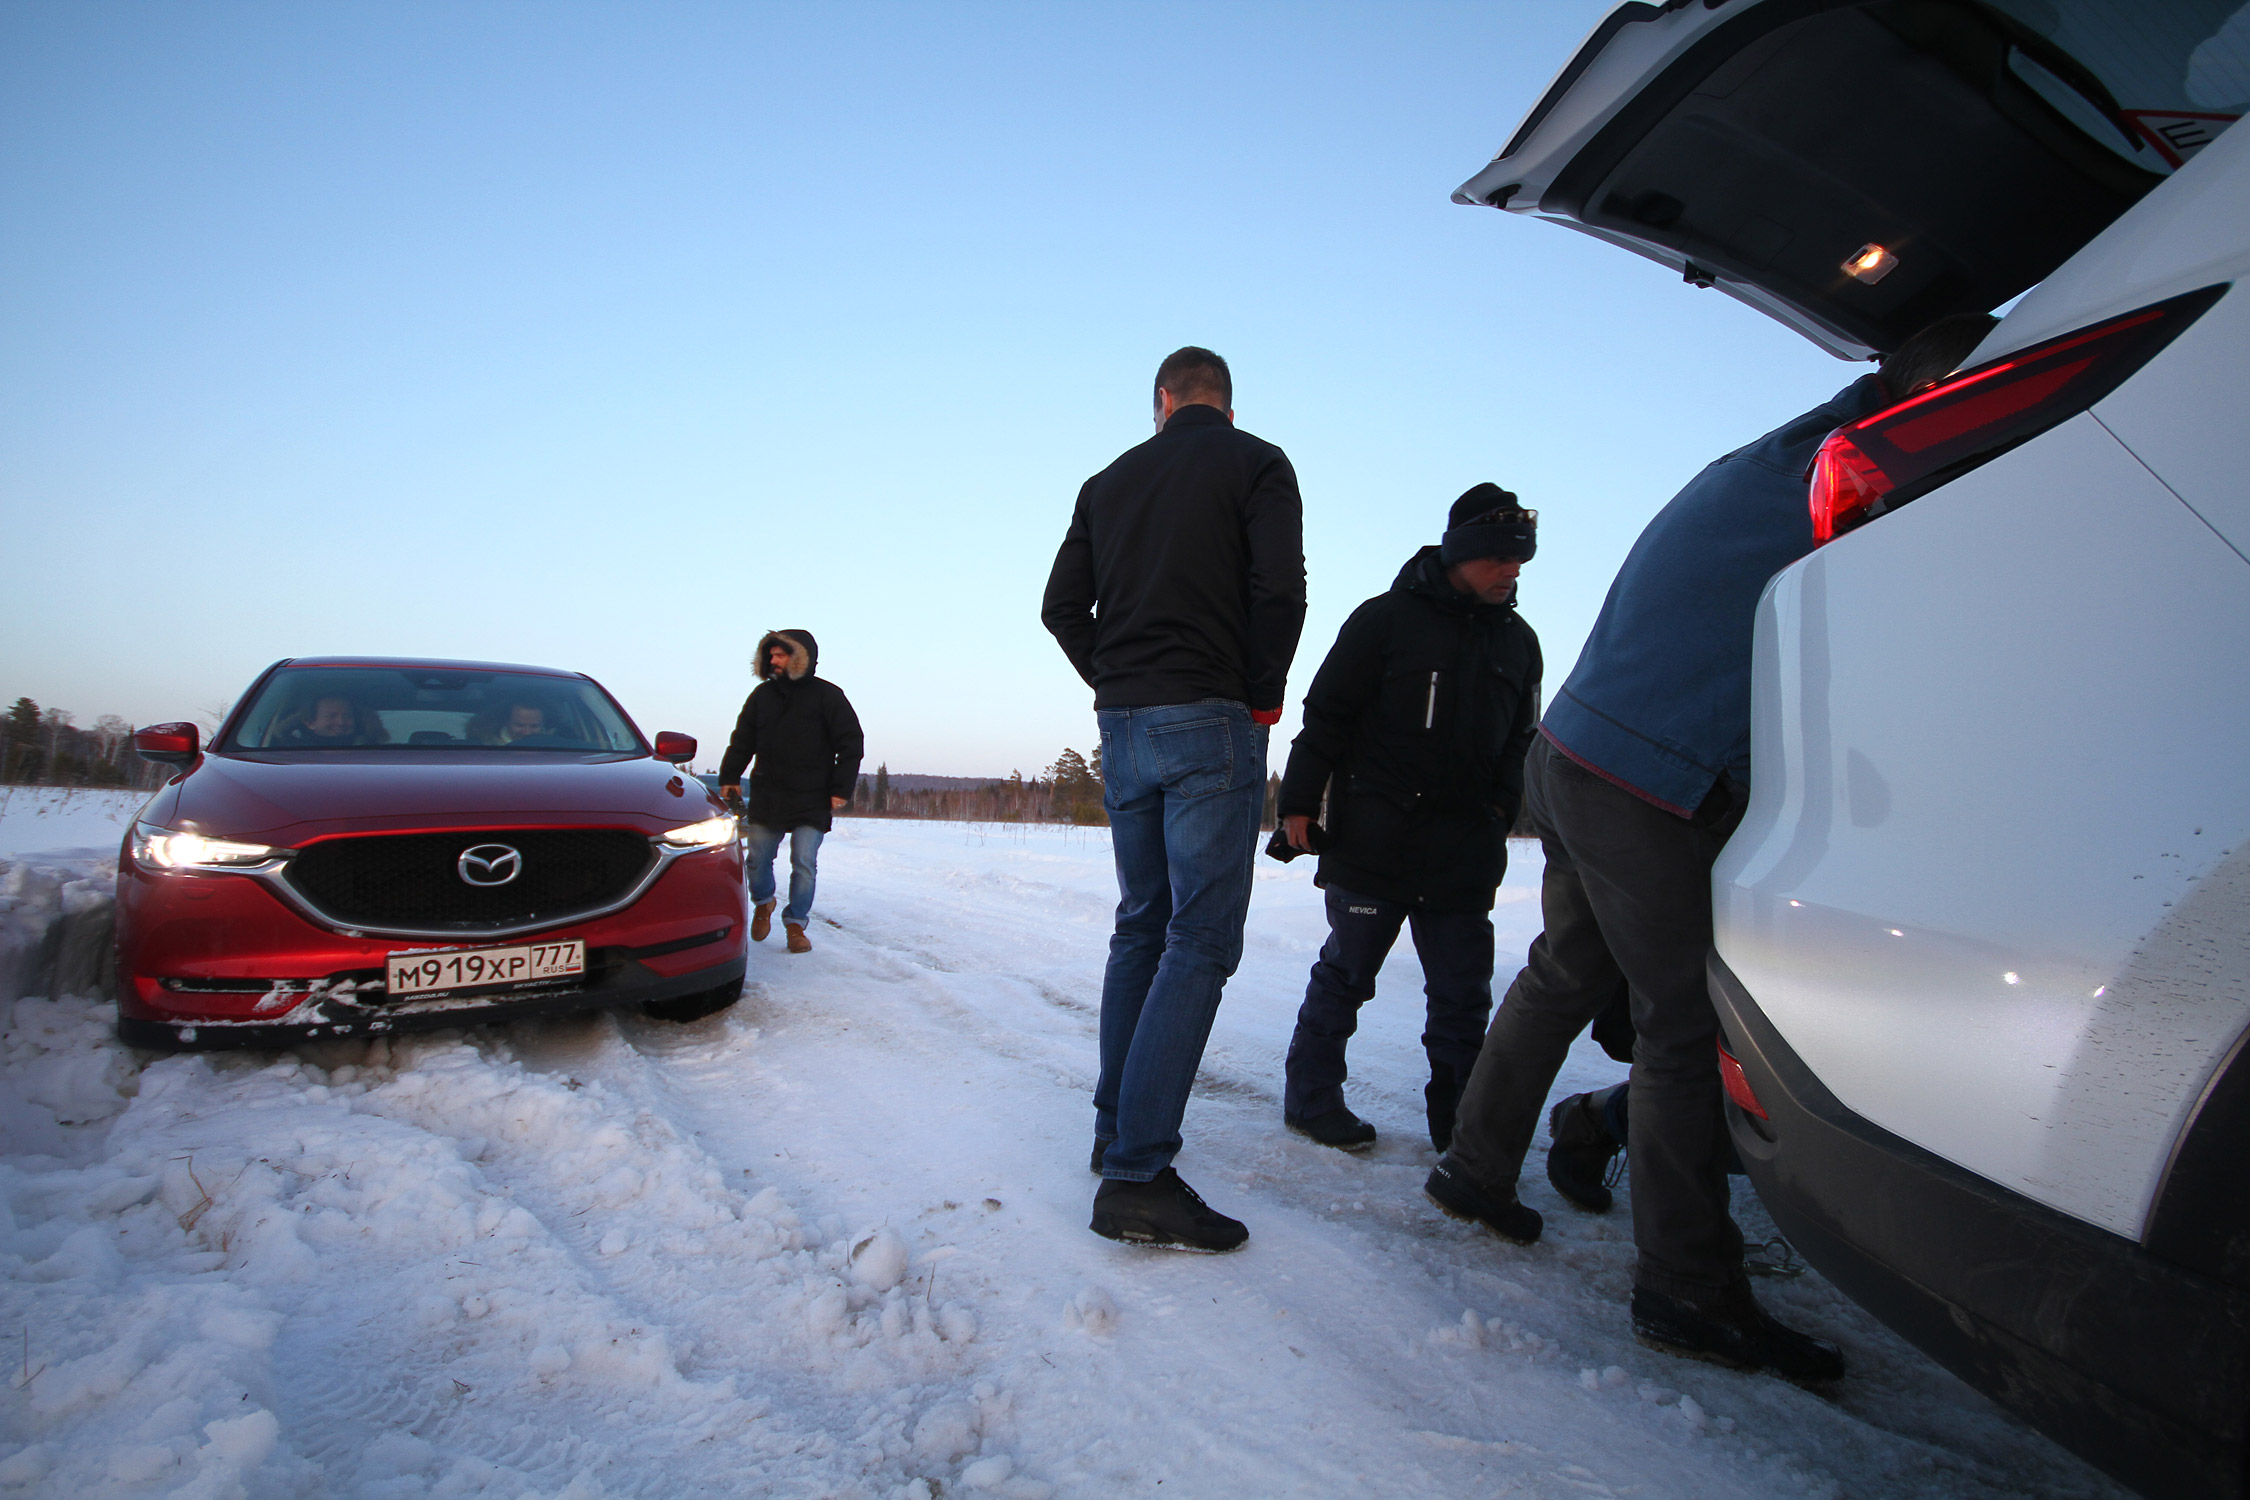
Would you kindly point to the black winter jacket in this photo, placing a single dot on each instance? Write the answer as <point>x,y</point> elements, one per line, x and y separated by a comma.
<point>804,736</point>
<point>1416,728</point>
<point>1182,576</point>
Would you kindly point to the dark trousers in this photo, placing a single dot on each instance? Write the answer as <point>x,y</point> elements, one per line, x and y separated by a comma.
<point>1456,953</point>
<point>1627,895</point>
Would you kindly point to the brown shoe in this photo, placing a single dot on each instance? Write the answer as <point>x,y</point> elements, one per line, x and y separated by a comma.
<point>798,942</point>
<point>761,920</point>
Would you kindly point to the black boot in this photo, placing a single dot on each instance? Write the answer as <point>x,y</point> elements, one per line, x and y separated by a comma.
<point>1458,1194</point>
<point>1578,1161</point>
<point>1339,1128</point>
<point>1164,1214</point>
<point>1732,1329</point>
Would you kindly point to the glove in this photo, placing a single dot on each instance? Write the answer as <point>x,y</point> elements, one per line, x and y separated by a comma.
<point>1266,716</point>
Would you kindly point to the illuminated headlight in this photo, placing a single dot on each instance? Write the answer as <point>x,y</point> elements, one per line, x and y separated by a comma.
<point>711,833</point>
<point>173,849</point>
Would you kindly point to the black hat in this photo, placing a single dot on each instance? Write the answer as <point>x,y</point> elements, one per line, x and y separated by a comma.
<point>1488,521</point>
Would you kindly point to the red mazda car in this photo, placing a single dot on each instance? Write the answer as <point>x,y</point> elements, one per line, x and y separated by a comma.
<point>375,845</point>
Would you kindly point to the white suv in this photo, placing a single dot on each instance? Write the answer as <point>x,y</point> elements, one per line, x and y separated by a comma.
<point>1983,939</point>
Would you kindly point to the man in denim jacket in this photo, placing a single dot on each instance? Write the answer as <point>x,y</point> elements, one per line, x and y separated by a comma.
<point>1640,772</point>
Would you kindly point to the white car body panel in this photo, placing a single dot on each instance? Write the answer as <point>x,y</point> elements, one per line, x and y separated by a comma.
<point>2183,416</point>
<point>1994,882</point>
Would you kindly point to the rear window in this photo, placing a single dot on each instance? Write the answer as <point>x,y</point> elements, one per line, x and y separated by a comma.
<point>2177,73</point>
<point>408,710</point>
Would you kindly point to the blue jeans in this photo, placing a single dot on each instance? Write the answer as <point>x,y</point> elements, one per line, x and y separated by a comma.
<point>1184,786</point>
<point>761,843</point>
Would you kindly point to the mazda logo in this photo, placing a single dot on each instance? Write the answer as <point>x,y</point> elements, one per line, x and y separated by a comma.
<point>489,864</point>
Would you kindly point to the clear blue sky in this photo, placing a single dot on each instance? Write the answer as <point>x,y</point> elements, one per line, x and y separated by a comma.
<point>608,336</point>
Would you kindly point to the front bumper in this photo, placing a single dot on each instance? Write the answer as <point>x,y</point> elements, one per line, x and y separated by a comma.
<point>2136,1363</point>
<point>218,960</point>
<point>330,1015</point>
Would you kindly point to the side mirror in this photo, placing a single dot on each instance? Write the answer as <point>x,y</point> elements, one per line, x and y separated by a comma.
<point>170,744</point>
<point>676,748</point>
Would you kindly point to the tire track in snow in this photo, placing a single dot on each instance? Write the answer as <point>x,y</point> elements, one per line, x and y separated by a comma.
<point>786,1317</point>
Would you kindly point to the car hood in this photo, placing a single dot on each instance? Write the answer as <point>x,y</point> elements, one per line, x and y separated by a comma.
<point>288,799</point>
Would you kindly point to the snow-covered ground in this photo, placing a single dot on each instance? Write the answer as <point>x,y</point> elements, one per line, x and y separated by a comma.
<point>64,820</point>
<point>833,1243</point>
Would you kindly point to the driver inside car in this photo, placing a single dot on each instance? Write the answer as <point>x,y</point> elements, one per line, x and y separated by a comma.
<point>331,722</point>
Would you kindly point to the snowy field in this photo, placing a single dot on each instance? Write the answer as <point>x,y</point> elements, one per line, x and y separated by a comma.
<point>64,820</point>
<point>833,1243</point>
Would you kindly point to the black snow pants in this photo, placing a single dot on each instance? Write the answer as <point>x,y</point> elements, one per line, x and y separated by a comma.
<point>1456,953</point>
<point>1627,894</point>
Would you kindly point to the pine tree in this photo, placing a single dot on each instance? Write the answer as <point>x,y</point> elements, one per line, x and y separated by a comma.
<point>883,787</point>
<point>1077,790</point>
<point>19,740</point>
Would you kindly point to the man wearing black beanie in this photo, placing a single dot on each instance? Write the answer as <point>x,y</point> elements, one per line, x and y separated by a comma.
<point>1414,736</point>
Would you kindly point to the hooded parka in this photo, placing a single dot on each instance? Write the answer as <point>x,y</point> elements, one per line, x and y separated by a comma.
<point>1415,731</point>
<point>803,736</point>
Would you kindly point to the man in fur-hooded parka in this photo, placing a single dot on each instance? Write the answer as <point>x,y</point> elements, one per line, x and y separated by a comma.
<point>798,737</point>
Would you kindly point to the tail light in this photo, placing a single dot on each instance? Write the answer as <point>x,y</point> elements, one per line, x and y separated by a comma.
<point>1878,463</point>
<point>1736,1085</point>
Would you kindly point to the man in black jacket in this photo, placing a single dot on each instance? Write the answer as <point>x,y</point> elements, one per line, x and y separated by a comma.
<point>806,740</point>
<point>1414,738</point>
<point>1178,594</point>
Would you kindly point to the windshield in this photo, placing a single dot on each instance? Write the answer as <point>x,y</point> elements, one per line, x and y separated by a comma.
<point>407,709</point>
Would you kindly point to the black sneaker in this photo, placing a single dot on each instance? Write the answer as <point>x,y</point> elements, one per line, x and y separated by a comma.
<point>1451,1189</point>
<point>1736,1332</point>
<point>1095,1165</point>
<point>1578,1161</point>
<point>1164,1214</point>
<point>1339,1128</point>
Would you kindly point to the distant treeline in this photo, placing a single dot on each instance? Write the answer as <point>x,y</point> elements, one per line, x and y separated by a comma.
<point>42,747</point>
<point>1069,791</point>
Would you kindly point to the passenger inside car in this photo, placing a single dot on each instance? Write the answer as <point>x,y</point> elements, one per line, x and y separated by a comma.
<point>329,722</point>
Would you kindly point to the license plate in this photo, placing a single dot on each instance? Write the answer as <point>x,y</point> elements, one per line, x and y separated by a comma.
<point>466,968</point>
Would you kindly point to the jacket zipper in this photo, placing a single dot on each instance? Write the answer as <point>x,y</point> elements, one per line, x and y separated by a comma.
<point>1429,714</point>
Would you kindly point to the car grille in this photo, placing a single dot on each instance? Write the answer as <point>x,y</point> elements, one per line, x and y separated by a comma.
<point>413,880</point>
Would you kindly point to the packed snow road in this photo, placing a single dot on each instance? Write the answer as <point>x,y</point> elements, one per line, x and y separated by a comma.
<point>833,1243</point>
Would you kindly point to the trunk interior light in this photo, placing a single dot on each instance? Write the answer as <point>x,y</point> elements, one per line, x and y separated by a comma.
<point>1873,466</point>
<point>1871,263</point>
<point>1737,1086</point>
